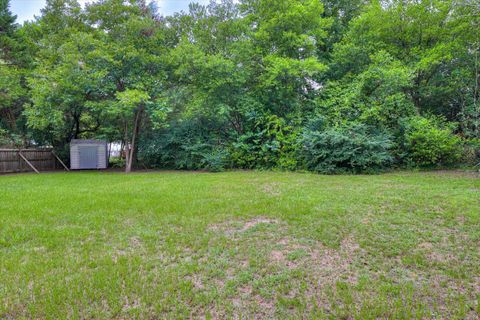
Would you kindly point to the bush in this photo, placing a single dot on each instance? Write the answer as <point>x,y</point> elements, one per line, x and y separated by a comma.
<point>471,152</point>
<point>215,160</point>
<point>271,144</point>
<point>189,145</point>
<point>117,162</point>
<point>430,142</point>
<point>345,149</point>
<point>5,139</point>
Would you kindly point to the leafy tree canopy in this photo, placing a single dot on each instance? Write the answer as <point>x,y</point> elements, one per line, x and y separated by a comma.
<point>249,83</point>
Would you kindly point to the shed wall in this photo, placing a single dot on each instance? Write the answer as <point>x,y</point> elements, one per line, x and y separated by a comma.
<point>75,155</point>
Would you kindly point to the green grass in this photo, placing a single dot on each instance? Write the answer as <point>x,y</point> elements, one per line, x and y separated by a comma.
<point>240,244</point>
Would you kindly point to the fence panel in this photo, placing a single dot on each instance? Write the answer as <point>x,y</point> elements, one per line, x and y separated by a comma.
<point>42,159</point>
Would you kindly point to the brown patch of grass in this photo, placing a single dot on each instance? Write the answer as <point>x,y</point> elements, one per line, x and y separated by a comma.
<point>365,220</point>
<point>425,245</point>
<point>441,257</point>
<point>197,282</point>
<point>271,189</point>
<point>252,223</point>
<point>231,227</point>
<point>267,306</point>
<point>130,304</point>
<point>117,254</point>
<point>280,258</point>
<point>323,268</point>
<point>277,256</point>
<point>135,242</point>
<point>326,265</point>
<point>461,219</point>
<point>245,290</point>
<point>333,265</point>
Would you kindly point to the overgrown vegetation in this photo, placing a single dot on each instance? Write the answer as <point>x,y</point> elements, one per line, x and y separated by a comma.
<point>245,244</point>
<point>353,149</point>
<point>236,84</point>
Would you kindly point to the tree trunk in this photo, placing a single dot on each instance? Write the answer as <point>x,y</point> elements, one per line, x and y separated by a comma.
<point>475,97</point>
<point>132,152</point>
<point>127,150</point>
<point>76,120</point>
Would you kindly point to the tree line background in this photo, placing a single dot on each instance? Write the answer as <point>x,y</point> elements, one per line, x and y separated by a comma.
<point>327,86</point>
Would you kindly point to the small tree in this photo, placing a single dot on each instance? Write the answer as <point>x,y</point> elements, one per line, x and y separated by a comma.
<point>130,109</point>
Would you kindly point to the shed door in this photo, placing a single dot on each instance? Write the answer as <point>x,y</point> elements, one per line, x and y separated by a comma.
<point>88,157</point>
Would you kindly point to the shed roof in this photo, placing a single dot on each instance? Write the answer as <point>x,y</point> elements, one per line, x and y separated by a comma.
<point>87,141</point>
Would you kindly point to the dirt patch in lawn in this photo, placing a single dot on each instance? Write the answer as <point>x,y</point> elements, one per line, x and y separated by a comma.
<point>317,255</point>
<point>271,189</point>
<point>325,264</point>
<point>277,256</point>
<point>239,226</point>
<point>434,254</point>
<point>275,252</point>
<point>336,264</point>
<point>252,223</point>
<point>266,260</point>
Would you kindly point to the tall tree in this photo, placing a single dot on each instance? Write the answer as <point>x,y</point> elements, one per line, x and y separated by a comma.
<point>62,82</point>
<point>285,37</point>
<point>436,40</point>
<point>13,64</point>
<point>8,29</point>
<point>134,71</point>
<point>67,93</point>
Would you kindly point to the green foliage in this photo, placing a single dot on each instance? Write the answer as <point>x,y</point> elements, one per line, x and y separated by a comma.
<point>190,144</point>
<point>8,33</point>
<point>130,99</point>
<point>375,97</point>
<point>5,140</point>
<point>430,142</point>
<point>13,95</point>
<point>259,70</point>
<point>270,144</point>
<point>292,28</point>
<point>435,41</point>
<point>13,68</point>
<point>66,92</point>
<point>117,162</point>
<point>355,148</point>
<point>471,152</point>
<point>214,160</point>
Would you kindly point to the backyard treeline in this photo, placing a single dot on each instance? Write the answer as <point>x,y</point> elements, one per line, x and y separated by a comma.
<point>328,86</point>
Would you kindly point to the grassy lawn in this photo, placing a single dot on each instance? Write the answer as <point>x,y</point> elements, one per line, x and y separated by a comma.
<point>240,244</point>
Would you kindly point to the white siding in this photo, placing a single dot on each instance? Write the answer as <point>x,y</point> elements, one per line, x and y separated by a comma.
<point>74,157</point>
<point>101,155</point>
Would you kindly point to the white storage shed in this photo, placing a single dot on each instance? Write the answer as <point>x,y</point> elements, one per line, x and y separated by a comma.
<point>88,154</point>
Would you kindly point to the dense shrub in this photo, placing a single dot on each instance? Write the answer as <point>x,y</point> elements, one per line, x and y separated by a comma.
<point>471,152</point>
<point>6,139</point>
<point>271,144</point>
<point>430,142</point>
<point>215,160</point>
<point>190,145</point>
<point>117,162</point>
<point>202,144</point>
<point>345,149</point>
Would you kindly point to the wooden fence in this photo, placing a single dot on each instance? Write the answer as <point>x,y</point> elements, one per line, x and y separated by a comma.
<point>22,160</point>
